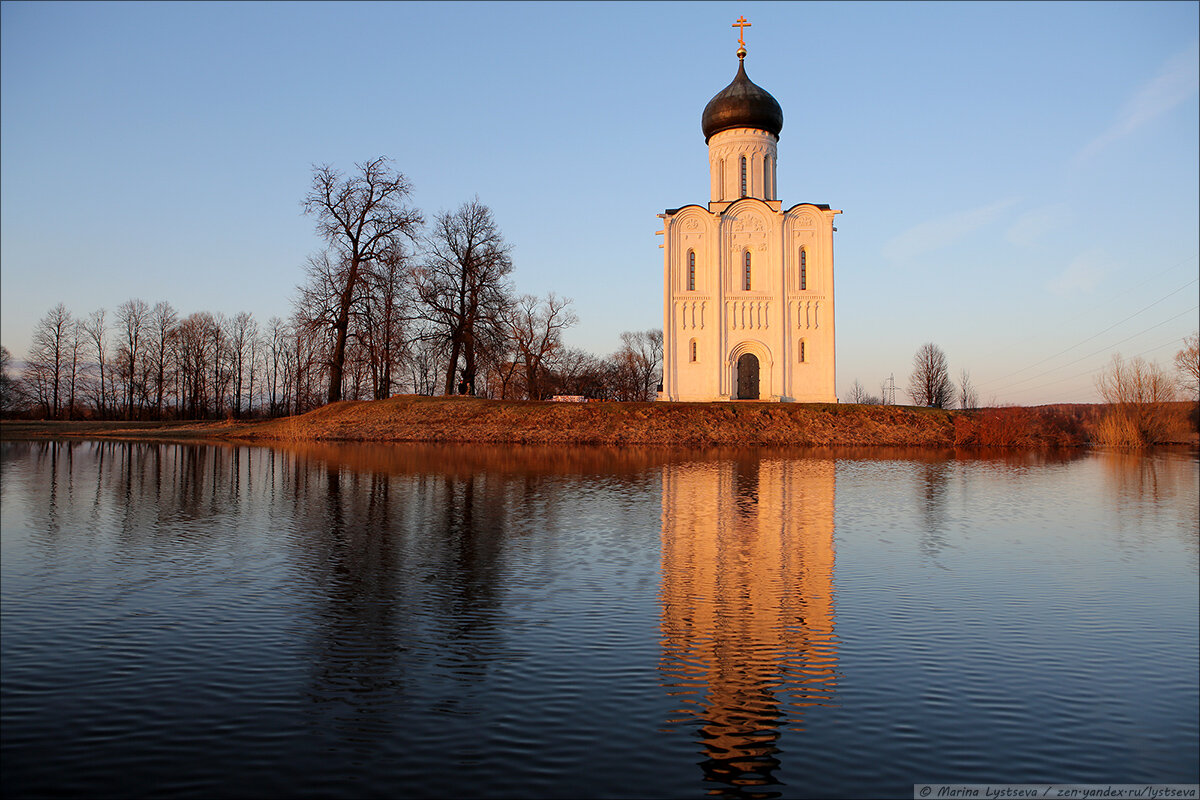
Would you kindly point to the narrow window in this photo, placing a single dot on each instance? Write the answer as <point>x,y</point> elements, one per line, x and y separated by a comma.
<point>801,351</point>
<point>746,278</point>
<point>743,176</point>
<point>767,177</point>
<point>691,270</point>
<point>803,270</point>
<point>693,354</point>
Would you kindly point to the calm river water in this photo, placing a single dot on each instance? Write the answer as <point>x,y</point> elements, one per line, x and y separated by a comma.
<point>422,621</point>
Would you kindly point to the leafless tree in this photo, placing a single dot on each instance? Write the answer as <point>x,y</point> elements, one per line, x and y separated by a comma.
<point>535,328</point>
<point>1187,361</point>
<point>968,396</point>
<point>635,367</point>
<point>133,317</point>
<point>858,393</point>
<point>461,285</point>
<point>11,392</point>
<point>424,357</point>
<point>929,384</point>
<point>384,319</point>
<point>45,364</point>
<point>1137,392</point>
<point>161,327</point>
<point>361,216</point>
<point>582,373</point>
<point>241,331</point>
<point>96,329</point>
<point>75,352</point>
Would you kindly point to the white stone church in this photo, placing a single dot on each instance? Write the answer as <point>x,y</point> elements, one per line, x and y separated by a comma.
<point>747,285</point>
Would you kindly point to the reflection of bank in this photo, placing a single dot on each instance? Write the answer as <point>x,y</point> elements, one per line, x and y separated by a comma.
<point>747,606</point>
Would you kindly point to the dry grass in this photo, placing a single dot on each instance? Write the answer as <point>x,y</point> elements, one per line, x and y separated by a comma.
<point>452,419</point>
<point>701,425</point>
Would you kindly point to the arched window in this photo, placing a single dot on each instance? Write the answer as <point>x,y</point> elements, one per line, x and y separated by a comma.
<point>803,269</point>
<point>691,262</point>
<point>743,176</point>
<point>746,276</point>
<point>767,177</point>
<point>802,359</point>
<point>692,349</point>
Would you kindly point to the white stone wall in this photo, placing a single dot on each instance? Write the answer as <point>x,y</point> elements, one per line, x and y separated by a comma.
<point>725,152</point>
<point>774,319</point>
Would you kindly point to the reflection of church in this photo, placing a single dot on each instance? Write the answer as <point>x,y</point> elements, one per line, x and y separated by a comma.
<point>747,605</point>
<point>747,285</point>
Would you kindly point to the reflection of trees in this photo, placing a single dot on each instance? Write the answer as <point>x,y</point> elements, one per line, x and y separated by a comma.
<point>933,483</point>
<point>1144,487</point>
<point>747,608</point>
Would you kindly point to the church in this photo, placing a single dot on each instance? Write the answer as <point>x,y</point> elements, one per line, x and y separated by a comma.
<point>747,285</point>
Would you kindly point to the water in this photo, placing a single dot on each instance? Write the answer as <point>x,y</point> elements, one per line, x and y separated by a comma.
<point>421,621</point>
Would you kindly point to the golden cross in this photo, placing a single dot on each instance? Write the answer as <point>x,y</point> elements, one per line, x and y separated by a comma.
<point>741,25</point>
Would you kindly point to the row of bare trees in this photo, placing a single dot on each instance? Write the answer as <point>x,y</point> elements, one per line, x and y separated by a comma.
<point>389,305</point>
<point>418,306</point>
<point>145,362</point>
<point>929,384</point>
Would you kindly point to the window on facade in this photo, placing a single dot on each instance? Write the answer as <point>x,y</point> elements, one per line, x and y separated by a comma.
<point>743,176</point>
<point>803,269</point>
<point>693,350</point>
<point>691,262</point>
<point>767,177</point>
<point>802,351</point>
<point>746,277</point>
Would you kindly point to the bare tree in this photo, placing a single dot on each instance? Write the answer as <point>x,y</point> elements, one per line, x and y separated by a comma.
<point>45,363</point>
<point>1137,393</point>
<point>582,373</point>
<point>929,384</point>
<point>858,393</point>
<point>384,319</point>
<point>74,352</point>
<point>535,329</point>
<point>360,216</point>
<point>636,365</point>
<point>241,331</point>
<point>968,396</point>
<point>461,285</point>
<point>161,326</point>
<point>96,329</point>
<point>12,394</point>
<point>133,317</point>
<point>1187,361</point>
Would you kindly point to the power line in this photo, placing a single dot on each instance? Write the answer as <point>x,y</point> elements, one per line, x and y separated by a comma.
<point>1093,370</point>
<point>1125,292</point>
<point>1090,338</point>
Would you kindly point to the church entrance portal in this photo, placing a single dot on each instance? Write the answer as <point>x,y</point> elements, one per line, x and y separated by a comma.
<point>747,377</point>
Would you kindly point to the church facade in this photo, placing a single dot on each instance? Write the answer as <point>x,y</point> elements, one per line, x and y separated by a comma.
<point>747,285</point>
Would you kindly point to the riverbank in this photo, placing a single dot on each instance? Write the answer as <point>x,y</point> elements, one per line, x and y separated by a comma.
<point>467,420</point>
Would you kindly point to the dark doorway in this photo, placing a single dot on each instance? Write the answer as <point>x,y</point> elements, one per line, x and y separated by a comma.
<point>747,377</point>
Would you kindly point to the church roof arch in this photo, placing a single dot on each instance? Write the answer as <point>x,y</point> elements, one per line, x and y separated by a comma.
<point>816,206</point>
<point>688,216</point>
<point>749,207</point>
<point>675,211</point>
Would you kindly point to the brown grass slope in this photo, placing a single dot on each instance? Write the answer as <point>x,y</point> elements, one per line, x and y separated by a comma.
<point>471,420</point>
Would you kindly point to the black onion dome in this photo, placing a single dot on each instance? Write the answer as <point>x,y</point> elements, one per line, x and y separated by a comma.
<point>741,104</point>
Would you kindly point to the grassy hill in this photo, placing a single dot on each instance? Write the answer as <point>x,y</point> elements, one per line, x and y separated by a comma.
<point>463,419</point>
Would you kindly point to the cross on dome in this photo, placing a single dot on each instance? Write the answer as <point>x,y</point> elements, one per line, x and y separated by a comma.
<point>741,25</point>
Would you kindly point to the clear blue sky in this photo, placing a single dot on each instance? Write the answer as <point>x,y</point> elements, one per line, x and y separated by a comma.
<point>1019,181</point>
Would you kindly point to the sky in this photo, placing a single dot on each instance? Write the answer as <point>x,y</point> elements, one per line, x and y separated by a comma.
<point>1019,182</point>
